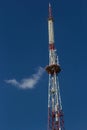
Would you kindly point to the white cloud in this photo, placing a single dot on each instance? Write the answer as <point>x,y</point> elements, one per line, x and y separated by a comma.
<point>27,83</point>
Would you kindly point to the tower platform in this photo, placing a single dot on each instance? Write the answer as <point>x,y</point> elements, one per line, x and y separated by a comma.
<point>54,68</point>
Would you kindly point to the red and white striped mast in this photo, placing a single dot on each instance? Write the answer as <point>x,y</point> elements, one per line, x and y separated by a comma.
<point>55,113</point>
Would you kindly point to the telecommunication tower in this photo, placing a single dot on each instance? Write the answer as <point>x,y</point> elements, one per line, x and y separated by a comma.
<point>55,112</point>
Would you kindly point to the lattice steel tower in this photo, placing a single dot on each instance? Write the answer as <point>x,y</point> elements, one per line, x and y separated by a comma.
<point>55,113</point>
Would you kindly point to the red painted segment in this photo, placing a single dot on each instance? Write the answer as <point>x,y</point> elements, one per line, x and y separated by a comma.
<point>51,46</point>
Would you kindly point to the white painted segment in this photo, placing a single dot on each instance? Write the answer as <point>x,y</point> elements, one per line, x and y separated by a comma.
<point>51,31</point>
<point>57,60</point>
<point>52,90</point>
<point>49,92</point>
<point>56,108</point>
<point>52,104</point>
<point>52,57</point>
<point>56,117</point>
<point>59,95</point>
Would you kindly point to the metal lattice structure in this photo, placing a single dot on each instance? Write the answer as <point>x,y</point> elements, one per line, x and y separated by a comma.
<point>55,112</point>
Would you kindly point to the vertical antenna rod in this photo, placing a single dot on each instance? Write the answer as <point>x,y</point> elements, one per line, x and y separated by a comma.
<point>50,11</point>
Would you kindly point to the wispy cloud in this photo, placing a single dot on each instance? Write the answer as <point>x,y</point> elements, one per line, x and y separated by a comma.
<point>27,83</point>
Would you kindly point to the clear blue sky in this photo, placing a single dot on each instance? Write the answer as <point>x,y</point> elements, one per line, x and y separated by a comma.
<point>24,47</point>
